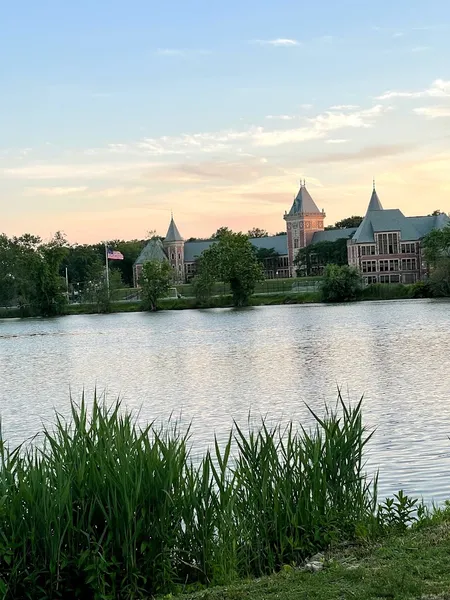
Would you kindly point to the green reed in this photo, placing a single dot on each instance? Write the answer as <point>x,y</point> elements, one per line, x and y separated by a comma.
<point>105,509</point>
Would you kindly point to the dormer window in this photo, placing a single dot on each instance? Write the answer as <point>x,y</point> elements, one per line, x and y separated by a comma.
<point>388,243</point>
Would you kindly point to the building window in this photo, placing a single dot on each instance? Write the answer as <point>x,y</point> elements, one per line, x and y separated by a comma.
<point>368,250</point>
<point>369,266</point>
<point>371,279</point>
<point>173,255</point>
<point>384,278</point>
<point>408,248</point>
<point>393,265</point>
<point>179,256</point>
<point>387,243</point>
<point>409,278</point>
<point>295,242</point>
<point>384,265</point>
<point>395,278</point>
<point>408,264</point>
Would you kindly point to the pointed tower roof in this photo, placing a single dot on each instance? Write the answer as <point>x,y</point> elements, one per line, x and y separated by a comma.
<point>173,235</point>
<point>374,203</point>
<point>303,203</point>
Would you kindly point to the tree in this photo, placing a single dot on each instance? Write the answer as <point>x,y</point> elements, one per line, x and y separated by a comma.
<point>155,282</point>
<point>312,259</point>
<point>221,231</point>
<point>256,232</point>
<point>268,257</point>
<point>49,294</point>
<point>233,260</point>
<point>436,247</point>
<point>281,233</point>
<point>340,284</point>
<point>204,281</point>
<point>348,222</point>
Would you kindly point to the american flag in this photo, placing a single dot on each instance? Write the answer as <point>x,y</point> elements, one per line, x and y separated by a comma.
<point>114,255</point>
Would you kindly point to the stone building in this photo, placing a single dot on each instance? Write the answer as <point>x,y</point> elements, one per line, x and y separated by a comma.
<point>386,247</point>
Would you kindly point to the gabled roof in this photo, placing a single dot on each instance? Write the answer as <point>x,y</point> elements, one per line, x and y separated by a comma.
<point>385,220</point>
<point>173,235</point>
<point>332,235</point>
<point>303,203</point>
<point>154,250</point>
<point>192,250</point>
<point>277,242</point>
<point>426,224</point>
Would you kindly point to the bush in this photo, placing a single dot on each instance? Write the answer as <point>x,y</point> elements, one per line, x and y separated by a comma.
<point>107,510</point>
<point>340,284</point>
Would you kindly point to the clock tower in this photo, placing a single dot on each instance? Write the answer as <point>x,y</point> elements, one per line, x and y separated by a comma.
<point>302,222</point>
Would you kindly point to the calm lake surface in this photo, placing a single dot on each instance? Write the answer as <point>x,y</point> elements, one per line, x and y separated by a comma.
<point>213,366</point>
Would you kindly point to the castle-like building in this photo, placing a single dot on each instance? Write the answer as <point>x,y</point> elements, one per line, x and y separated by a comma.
<point>386,247</point>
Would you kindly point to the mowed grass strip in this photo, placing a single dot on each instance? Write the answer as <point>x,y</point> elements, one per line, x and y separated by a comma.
<point>415,565</point>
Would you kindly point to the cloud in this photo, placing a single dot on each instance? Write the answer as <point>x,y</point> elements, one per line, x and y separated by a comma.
<point>420,48</point>
<point>335,141</point>
<point>280,117</point>
<point>370,152</point>
<point>438,89</point>
<point>433,112</point>
<point>286,42</point>
<point>55,191</point>
<point>344,107</point>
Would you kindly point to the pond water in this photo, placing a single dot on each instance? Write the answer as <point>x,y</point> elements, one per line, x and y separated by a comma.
<point>214,366</point>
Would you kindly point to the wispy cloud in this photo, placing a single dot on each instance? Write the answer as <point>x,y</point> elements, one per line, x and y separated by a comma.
<point>344,107</point>
<point>336,141</point>
<point>55,191</point>
<point>420,48</point>
<point>367,153</point>
<point>280,117</point>
<point>438,89</point>
<point>277,42</point>
<point>433,112</point>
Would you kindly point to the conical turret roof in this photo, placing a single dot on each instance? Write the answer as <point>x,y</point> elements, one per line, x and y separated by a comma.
<point>374,203</point>
<point>173,235</point>
<point>303,203</point>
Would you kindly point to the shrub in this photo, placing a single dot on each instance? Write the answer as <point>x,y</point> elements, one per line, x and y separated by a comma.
<point>340,284</point>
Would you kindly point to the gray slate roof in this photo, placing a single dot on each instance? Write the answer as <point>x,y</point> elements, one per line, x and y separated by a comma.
<point>332,235</point>
<point>386,220</point>
<point>154,250</point>
<point>374,203</point>
<point>192,250</point>
<point>173,235</point>
<point>277,242</point>
<point>426,224</point>
<point>303,203</point>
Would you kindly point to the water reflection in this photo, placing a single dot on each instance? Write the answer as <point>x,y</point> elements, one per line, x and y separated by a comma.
<point>215,366</point>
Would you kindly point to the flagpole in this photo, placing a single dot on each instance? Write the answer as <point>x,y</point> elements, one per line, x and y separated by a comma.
<point>107,267</point>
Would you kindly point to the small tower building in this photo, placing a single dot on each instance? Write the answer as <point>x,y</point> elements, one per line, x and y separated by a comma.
<point>174,246</point>
<point>302,222</point>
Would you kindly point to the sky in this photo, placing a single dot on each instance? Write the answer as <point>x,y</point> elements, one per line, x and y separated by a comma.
<point>114,113</point>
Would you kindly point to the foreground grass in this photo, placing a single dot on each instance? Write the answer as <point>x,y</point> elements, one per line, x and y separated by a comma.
<point>415,565</point>
<point>104,509</point>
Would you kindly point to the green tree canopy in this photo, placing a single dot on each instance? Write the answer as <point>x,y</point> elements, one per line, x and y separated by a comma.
<point>353,221</point>
<point>256,232</point>
<point>234,261</point>
<point>313,258</point>
<point>156,279</point>
<point>340,284</point>
<point>436,247</point>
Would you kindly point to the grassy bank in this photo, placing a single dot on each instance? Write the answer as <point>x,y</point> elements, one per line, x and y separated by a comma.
<point>109,510</point>
<point>414,565</point>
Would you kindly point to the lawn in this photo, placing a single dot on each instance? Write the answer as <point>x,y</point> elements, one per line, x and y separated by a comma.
<point>415,565</point>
